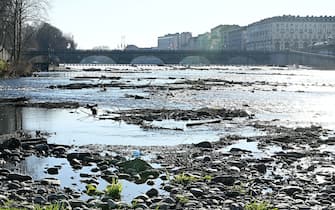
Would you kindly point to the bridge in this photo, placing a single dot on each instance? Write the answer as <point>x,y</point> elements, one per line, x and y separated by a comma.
<point>225,57</point>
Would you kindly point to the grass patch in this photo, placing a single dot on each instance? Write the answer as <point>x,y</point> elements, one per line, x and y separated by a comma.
<point>255,205</point>
<point>184,179</point>
<point>208,178</point>
<point>182,199</point>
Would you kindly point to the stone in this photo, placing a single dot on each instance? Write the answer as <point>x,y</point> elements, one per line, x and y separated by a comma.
<point>112,204</point>
<point>124,176</point>
<point>59,149</point>
<point>136,165</point>
<point>42,148</point>
<point>13,186</point>
<point>169,200</point>
<point>204,144</point>
<point>52,170</point>
<point>79,156</point>
<point>261,168</point>
<point>225,179</point>
<point>234,169</point>
<point>141,206</point>
<point>19,177</point>
<point>77,203</point>
<point>150,182</point>
<point>148,174</point>
<point>153,192</point>
<point>3,198</point>
<point>40,200</point>
<point>290,190</point>
<point>11,144</point>
<point>143,197</point>
<point>50,181</point>
<point>197,192</point>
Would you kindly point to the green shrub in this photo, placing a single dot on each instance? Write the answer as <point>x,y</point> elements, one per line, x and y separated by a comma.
<point>92,190</point>
<point>114,190</point>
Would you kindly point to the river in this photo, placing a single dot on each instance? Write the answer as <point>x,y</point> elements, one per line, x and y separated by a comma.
<point>292,97</point>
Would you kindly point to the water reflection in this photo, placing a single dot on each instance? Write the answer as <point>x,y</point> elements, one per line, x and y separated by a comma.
<point>10,119</point>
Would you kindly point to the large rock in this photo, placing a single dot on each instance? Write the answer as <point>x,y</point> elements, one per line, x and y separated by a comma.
<point>79,156</point>
<point>204,144</point>
<point>290,190</point>
<point>136,165</point>
<point>42,148</point>
<point>19,177</point>
<point>11,144</point>
<point>52,170</point>
<point>153,192</point>
<point>224,179</point>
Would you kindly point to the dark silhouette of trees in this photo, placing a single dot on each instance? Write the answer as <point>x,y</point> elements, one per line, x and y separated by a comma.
<point>49,37</point>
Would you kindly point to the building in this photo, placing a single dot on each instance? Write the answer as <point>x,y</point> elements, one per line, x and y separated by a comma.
<point>289,32</point>
<point>175,41</point>
<point>236,39</point>
<point>184,40</point>
<point>219,35</point>
<point>203,41</point>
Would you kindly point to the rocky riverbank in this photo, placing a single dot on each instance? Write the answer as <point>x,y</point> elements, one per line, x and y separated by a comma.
<point>297,174</point>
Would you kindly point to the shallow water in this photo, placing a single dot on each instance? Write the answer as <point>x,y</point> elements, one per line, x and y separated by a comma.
<point>292,97</point>
<point>36,168</point>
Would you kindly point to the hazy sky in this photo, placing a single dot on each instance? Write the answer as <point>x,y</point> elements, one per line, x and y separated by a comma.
<point>105,22</point>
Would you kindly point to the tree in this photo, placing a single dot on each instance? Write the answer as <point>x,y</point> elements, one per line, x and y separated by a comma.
<point>4,23</point>
<point>16,14</point>
<point>49,37</point>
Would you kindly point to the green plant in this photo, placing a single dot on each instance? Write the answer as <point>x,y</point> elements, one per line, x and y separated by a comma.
<point>184,179</point>
<point>92,190</point>
<point>255,205</point>
<point>49,207</point>
<point>182,199</point>
<point>114,190</point>
<point>208,178</point>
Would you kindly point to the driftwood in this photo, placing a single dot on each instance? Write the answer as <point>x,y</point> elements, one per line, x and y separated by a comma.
<point>190,124</point>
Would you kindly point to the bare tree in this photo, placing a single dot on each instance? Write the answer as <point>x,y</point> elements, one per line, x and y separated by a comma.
<point>19,13</point>
<point>4,23</point>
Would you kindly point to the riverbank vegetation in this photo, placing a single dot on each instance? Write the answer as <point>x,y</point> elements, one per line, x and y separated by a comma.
<point>23,27</point>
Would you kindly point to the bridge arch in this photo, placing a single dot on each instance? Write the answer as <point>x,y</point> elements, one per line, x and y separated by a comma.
<point>238,60</point>
<point>97,59</point>
<point>147,60</point>
<point>195,60</point>
<point>44,59</point>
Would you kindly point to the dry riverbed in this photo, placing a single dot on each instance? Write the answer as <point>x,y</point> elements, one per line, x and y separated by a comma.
<point>287,168</point>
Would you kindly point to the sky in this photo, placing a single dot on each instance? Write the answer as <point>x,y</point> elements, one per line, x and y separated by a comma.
<point>140,22</point>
